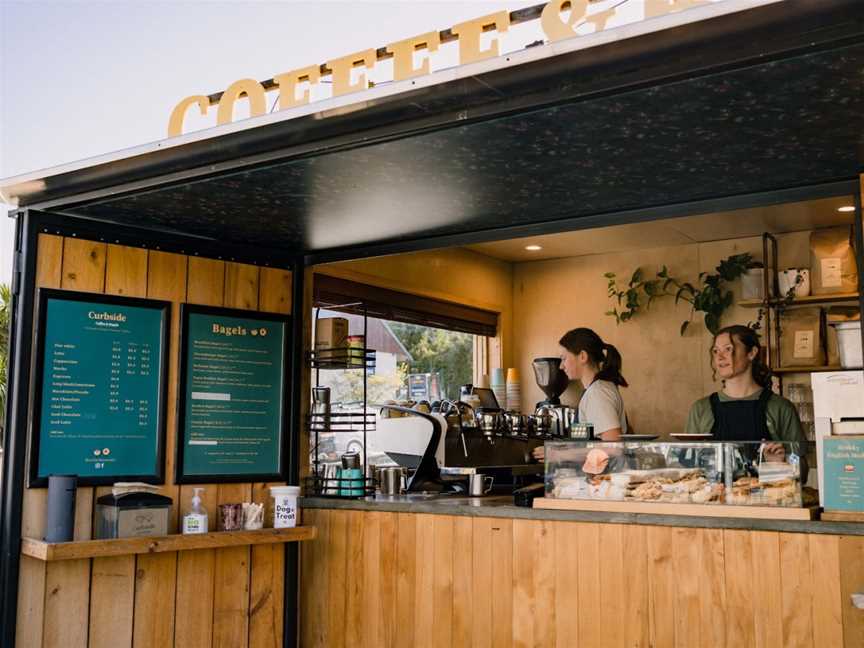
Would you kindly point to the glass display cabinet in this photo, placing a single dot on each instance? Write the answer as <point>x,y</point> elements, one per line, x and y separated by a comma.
<point>731,473</point>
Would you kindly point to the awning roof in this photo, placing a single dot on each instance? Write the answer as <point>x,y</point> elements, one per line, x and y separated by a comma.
<point>753,101</point>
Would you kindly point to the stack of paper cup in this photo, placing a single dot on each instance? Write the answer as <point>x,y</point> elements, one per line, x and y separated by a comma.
<point>499,387</point>
<point>514,390</point>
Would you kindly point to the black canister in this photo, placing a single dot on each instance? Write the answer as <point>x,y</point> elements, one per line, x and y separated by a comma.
<point>60,525</point>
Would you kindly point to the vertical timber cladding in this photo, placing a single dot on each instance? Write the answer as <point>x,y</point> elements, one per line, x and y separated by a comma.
<point>222,597</point>
<point>437,580</point>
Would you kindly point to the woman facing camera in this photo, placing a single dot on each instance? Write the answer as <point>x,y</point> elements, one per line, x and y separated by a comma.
<point>746,409</point>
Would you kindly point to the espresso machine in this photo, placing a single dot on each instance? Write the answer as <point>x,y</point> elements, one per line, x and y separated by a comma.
<point>553,418</point>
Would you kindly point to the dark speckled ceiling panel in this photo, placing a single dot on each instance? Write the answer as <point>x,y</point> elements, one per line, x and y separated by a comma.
<point>781,124</point>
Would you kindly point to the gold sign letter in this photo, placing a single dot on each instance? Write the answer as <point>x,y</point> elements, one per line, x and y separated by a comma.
<point>341,71</point>
<point>288,82</point>
<point>403,55</point>
<point>556,29</point>
<point>469,36</point>
<point>175,122</point>
<point>249,88</point>
<point>660,7</point>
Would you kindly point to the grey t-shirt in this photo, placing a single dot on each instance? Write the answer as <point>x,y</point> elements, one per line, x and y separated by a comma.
<point>601,404</point>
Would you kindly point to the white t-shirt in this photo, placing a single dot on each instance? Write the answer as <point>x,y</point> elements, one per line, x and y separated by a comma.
<point>602,405</point>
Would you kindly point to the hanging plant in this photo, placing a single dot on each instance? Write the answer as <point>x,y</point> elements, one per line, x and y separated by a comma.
<point>710,296</point>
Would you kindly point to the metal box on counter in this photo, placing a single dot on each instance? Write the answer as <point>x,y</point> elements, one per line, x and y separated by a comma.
<point>735,473</point>
<point>132,515</point>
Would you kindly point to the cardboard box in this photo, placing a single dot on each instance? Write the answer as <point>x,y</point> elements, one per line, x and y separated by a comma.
<point>843,473</point>
<point>331,333</point>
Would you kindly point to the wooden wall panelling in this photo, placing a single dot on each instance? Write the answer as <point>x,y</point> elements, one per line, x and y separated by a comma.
<point>387,555</point>
<point>31,577</point>
<point>687,561</point>
<point>827,602</point>
<point>659,547</point>
<point>545,565</point>
<point>338,579</point>
<point>767,597</point>
<point>566,579</point>
<point>196,570</point>
<point>368,632</point>
<point>233,564</point>
<point>112,586</point>
<point>796,590</point>
<point>463,576</point>
<point>712,602</point>
<point>502,582</point>
<point>67,599</point>
<point>589,586</point>
<point>851,565</point>
<point>481,593</point>
<point>612,614</point>
<point>544,583</point>
<point>156,574</point>
<point>634,586</point>
<point>155,592</point>
<point>406,576</point>
<point>268,561</point>
<point>112,602</point>
<point>524,553</point>
<point>83,270</point>
<point>442,580</point>
<point>354,578</point>
<point>740,588</point>
<point>314,594</point>
<point>67,583</point>
<point>424,581</point>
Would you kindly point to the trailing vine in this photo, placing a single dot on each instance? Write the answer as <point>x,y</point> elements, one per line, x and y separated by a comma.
<point>710,296</point>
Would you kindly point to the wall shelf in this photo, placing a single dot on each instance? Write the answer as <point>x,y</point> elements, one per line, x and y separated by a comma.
<point>802,301</point>
<point>51,551</point>
<point>822,369</point>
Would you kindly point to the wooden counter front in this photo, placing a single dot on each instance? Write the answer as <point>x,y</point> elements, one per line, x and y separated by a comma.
<point>388,578</point>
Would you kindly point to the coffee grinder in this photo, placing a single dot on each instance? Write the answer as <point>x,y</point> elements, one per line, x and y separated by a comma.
<point>553,381</point>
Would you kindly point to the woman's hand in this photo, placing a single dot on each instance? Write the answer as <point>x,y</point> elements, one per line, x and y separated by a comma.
<point>539,453</point>
<point>774,452</point>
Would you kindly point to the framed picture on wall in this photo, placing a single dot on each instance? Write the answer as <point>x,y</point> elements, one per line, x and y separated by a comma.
<point>232,414</point>
<point>99,389</point>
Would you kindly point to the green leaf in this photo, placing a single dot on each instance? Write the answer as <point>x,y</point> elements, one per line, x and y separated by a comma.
<point>609,275</point>
<point>637,276</point>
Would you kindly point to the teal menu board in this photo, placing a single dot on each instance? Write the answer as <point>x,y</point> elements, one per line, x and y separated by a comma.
<point>99,402</point>
<point>843,473</point>
<point>232,413</point>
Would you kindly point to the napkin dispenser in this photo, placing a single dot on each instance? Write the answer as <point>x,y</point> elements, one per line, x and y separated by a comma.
<point>131,515</point>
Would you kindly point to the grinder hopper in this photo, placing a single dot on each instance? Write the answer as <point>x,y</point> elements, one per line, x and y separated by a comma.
<point>550,378</point>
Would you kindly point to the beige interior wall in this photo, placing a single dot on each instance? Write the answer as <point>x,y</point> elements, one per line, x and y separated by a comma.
<point>666,372</point>
<point>454,274</point>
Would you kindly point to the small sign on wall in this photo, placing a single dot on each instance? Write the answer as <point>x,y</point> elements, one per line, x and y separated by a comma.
<point>843,466</point>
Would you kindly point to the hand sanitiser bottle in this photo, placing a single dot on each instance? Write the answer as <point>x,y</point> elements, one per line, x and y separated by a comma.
<point>195,521</point>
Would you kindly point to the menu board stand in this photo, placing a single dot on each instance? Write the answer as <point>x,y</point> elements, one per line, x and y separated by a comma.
<point>232,412</point>
<point>99,388</point>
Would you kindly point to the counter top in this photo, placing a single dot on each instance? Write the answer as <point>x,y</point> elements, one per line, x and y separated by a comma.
<point>502,507</point>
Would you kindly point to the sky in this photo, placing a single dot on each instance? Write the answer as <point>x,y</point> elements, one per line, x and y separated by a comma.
<point>80,78</point>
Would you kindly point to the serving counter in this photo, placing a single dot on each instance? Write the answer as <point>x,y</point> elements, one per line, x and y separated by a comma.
<point>454,571</point>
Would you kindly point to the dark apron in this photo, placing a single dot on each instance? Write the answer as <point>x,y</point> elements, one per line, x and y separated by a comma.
<point>740,420</point>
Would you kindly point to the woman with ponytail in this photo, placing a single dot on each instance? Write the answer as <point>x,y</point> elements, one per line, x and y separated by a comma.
<point>597,365</point>
<point>746,409</point>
